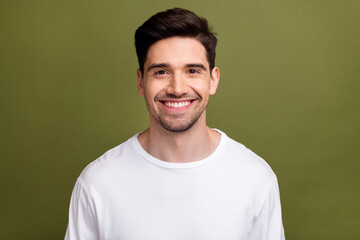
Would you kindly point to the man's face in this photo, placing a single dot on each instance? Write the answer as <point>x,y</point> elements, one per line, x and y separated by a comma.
<point>177,83</point>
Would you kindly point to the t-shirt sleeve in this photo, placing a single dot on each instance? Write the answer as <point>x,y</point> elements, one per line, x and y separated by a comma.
<point>82,218</point>
<point>268,223</point>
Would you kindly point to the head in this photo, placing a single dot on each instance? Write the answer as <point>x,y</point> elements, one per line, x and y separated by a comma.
<point>176,22</point>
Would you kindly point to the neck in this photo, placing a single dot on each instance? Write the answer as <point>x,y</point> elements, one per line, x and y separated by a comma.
<point>194,144</point>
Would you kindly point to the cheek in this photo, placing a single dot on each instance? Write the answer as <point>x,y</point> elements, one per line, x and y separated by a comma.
<point>152,88</point>
<point>201,88</point>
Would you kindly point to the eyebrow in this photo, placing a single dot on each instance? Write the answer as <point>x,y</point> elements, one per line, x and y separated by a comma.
<point>157,65</point>
<point>197,65</point>
<point>162,65</point>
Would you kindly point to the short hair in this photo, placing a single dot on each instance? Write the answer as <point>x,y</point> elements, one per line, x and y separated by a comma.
<point>172,23</point>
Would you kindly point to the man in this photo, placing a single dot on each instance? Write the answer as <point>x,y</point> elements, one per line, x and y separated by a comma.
<point>179,179</point>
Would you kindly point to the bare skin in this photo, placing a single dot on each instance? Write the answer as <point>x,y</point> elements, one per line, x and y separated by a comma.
<point>177,72</point>
<point>194,145</point>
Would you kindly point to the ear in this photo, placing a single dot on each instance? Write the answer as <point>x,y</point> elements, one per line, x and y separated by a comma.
<point>140,83</point>
<point>214,81</point>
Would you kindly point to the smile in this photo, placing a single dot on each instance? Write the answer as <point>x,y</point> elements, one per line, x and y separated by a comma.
<point>176,104</point>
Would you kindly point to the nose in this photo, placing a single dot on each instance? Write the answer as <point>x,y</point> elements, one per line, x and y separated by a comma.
<point>176,85</point>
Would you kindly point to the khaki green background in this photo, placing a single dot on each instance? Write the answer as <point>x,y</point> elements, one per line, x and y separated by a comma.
<point>290,73</point>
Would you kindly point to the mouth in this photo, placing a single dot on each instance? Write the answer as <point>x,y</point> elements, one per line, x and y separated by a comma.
<point>176,104</point>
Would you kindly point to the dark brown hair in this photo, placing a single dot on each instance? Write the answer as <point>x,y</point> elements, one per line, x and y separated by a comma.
<point>171,23</point>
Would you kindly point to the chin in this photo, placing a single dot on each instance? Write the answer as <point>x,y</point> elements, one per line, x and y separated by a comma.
<point>177,127</point>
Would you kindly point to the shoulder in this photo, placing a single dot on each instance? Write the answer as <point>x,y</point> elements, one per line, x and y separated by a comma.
<point>253,171</point>
<point>112,163</point>
<point>247,162</point>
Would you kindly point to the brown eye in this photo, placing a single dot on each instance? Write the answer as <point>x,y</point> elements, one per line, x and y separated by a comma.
<point>193,71</point>
<point>160,72</point>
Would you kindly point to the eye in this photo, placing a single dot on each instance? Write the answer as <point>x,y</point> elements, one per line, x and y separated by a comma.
<point>160,72</point>
<point>193,71</point>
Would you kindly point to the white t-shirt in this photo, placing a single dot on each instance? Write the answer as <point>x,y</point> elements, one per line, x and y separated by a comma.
<point>127,194</point>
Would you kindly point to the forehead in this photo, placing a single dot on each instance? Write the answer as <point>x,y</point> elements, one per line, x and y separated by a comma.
<point>177,51</point>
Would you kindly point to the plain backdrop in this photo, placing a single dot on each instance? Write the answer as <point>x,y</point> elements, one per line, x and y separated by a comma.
<point>289,90</point>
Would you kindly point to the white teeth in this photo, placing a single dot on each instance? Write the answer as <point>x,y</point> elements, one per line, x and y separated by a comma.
<point>177,104</point>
